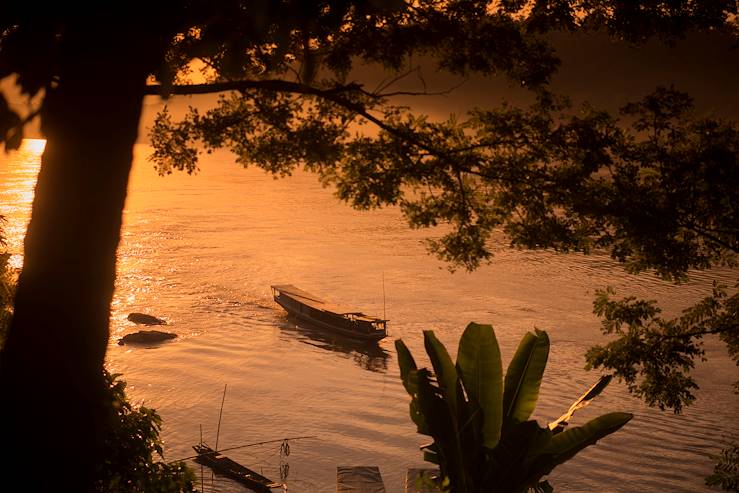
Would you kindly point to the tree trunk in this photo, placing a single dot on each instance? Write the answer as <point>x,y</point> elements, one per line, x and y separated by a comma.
<point>53,407</point>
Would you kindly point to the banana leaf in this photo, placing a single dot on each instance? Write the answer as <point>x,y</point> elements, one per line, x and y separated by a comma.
<point>409,377</point>
<point>481,371</point>
<point>407,365</point>
<point>524,375</point>
<point>518,450</point>
<point>442,427</point>
<point>559,424</point>
<point>565,445</point>
<point>446,373</point>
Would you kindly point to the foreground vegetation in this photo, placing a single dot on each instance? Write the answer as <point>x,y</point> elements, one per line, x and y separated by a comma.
<point>484,439</point>
<point>132,460</point>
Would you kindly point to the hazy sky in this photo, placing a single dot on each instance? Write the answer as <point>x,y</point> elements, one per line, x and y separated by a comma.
<point>594,68</point>
<point>609,73</point>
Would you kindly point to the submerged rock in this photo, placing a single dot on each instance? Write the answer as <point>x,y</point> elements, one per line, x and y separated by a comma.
<point>144,319</point>
<point>146,336</point>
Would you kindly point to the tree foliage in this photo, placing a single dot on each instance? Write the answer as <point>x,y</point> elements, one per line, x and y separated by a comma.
<point>550,176</point>
<point>656,189</point>
<point>654,355</point>
<point>132,459</point>
<point>726,471</point>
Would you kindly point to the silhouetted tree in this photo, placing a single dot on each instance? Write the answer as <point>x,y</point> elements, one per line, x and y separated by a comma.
<point>285,65</point>
<point>131,458</point>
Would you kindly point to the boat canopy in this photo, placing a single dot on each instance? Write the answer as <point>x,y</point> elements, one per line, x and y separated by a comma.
<point>311,300</point>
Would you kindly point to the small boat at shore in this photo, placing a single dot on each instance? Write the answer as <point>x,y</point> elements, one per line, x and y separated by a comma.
<point>232,469</point>
<point>320,314</point>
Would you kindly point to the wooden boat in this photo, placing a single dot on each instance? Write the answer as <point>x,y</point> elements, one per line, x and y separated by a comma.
<point>227,467</point>
<point>318,313</point>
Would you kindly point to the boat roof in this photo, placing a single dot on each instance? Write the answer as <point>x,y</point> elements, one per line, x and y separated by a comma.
<point>314,301</point>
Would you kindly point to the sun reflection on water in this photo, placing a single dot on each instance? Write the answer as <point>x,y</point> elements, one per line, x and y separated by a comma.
<point>35,146</point>
<point>18,172</point>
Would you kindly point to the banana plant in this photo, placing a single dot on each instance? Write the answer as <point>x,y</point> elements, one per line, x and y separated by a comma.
<point>483,439</point>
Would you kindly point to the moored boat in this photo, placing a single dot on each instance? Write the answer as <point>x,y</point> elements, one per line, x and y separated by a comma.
<point>319,313</point>
<point>227,467</point>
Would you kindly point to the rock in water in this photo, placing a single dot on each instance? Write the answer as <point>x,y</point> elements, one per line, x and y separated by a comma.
<point>144,319</point>
<point>146,336</point>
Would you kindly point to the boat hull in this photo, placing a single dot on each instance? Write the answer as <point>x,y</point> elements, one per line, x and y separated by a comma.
<point>227,467</point>
<point>327,321</point>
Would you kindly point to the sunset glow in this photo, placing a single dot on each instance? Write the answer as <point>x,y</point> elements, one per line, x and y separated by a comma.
<point>35,146</point>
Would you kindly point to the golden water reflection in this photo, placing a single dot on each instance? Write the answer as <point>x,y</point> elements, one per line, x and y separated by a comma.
<point>35,146</point>
<point>18,172</point>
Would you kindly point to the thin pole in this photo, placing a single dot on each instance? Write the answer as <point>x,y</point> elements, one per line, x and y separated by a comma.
<point>218,432</point>
<point>250,445</point>
<point>384,316</point>
<point>202,474</point>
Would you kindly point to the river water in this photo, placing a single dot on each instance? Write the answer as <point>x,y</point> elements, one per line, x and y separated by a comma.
<point>202,251</point>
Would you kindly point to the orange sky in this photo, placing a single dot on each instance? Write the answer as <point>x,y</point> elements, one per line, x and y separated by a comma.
<point>594,68</point>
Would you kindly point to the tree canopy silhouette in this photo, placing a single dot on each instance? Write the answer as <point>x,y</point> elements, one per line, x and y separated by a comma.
<point>286,66</point>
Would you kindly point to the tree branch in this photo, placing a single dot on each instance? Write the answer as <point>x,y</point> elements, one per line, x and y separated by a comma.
<point>276,85</point>
<point>389,82</point>
<point>464,211</point>
<point>711,237</point>
<point>698,333</point>
<point>334,95</point>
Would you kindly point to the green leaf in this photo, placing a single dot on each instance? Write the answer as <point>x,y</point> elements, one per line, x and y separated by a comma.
<point>409,377</point>
<point>524,375</point>
<point>442,427</point>
<point>481,371</point>
<point>470,423</point>
<point>407,367</point>
<point>519,442</point>
<point>446,373</point>
<point>585,399</point>
<point>565,445</point>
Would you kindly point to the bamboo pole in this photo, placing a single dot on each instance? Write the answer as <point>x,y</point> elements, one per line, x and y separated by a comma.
<point>220,415</point>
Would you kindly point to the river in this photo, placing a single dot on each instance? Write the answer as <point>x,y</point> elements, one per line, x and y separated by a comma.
<point>202,251</point>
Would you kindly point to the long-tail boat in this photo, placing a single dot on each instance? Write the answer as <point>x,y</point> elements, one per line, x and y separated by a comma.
<point>232,469</point>
<point>319,313</point>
